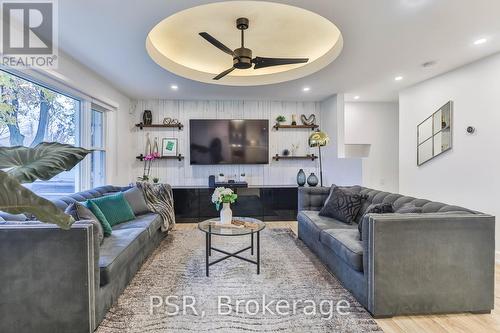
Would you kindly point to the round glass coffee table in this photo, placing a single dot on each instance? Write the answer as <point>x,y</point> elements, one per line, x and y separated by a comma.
<point>213,227</point>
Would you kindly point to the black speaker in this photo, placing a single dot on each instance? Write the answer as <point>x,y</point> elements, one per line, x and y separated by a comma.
<point>211,181</point>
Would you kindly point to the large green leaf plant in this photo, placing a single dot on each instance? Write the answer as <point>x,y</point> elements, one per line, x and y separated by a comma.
<point>25,165</point>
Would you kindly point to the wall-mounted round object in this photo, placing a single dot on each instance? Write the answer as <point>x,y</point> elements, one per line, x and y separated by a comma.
<point>471,130</point>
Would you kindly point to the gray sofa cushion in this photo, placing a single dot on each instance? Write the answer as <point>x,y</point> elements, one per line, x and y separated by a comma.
<point>315,223</point>
<point>13,217</point>
<point>82,213</point>
<point>346,245</point>
<point>118,250</point>
<point>151,222</point>
<point>136,200</point>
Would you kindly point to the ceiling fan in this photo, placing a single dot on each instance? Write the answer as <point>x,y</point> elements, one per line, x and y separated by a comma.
<point>242,57</point>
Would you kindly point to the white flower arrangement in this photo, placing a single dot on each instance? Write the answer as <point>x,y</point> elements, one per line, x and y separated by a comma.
<point>223,195</point>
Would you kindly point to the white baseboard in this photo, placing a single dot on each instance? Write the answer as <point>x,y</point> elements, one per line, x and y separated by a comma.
<point>497,257</point>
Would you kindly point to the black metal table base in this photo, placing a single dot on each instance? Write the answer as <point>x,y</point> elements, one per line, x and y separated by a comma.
<point>209,248</point>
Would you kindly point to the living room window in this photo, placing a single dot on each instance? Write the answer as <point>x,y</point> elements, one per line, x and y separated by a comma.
<point>31,112</point>
<point>97,142</point>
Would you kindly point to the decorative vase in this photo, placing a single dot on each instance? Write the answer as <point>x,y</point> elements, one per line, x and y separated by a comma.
<point>156,149</point>
<point>301,178</point>
<point>226,214</point>
<point>148,148</point>
<point>312,180</point>
<point>294,120</point>
<point>147,117</point>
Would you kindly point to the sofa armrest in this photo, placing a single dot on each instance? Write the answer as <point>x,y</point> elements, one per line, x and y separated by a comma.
<point>312,198</point>
<point>47,278</point>
<point>429,263</point>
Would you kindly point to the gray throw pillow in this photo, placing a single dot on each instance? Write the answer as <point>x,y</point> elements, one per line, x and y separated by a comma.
<point>13,217</point>
<point>136,200</point>
<point>343,205</point>
<point>82,213</point>
<point>409,208</point>
<point>380,208</point>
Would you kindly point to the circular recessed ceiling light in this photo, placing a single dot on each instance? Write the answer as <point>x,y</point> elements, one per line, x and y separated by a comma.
<point>398,78</point>
<point>306,89</point>
<point>174,87</point>
<point>273,30</point>
<point>356,97</point>
<point>429,63</point>
<point>480,41</point>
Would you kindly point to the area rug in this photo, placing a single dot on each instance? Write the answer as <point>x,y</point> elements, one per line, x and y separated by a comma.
<point>293,293</point>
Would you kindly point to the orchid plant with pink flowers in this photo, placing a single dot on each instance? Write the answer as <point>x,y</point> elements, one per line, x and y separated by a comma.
<point>148,161</point>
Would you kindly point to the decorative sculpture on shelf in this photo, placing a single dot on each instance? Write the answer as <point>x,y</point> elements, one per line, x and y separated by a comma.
<point>309,121</point>
<point>147,117</point>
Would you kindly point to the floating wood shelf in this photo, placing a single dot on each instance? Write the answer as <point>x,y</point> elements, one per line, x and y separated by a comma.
<point>306,157</point>
<point>141,126</point>
<point>178,157</point>
<point>312,127</point>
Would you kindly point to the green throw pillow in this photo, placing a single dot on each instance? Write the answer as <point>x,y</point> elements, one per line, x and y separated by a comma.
<point>115,208</point>
<point>106,227</point>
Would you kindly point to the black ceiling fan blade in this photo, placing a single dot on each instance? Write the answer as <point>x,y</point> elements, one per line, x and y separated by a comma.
<point>221,75</point>
<point>268,62</point>
<point>216,43</point>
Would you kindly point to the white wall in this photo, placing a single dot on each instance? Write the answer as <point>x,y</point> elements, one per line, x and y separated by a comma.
<point>183,174</point>
<point>376,124</point>
<point>119,122</point>
<point>336,170</point>
<point>468,174</point>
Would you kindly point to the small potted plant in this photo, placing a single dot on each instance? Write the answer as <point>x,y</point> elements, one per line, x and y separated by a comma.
<point>221,178</point>
<point>226,197</point>
<point>243,177</point>
<point>280,119</point>
<point>156,180</point>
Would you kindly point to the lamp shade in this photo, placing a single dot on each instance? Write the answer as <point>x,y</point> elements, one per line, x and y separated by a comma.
<point>318,139</point>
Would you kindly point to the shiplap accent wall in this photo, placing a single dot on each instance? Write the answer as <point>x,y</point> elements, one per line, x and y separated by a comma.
<point>183,174</point>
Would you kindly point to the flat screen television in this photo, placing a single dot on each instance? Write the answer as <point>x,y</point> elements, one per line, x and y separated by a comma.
<point>223,141</point>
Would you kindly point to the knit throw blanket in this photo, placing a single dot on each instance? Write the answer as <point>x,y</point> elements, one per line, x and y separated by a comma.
<point>159,199</point>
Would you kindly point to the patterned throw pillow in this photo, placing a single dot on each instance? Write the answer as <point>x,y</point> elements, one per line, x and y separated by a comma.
<point>409,208</point>
<point>343,205</point>
<point>380,208</point>
<point>82,213</point>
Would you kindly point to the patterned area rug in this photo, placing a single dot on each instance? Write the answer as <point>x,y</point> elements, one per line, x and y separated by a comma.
<point>293,293</point>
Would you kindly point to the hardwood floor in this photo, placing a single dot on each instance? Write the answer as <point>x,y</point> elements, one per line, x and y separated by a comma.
<point>453,323</point>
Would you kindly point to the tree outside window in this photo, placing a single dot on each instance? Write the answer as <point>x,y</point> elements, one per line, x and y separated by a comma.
<point>30,114</point>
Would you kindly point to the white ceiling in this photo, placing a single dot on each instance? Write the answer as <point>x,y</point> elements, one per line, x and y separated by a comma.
<point>382,39</point>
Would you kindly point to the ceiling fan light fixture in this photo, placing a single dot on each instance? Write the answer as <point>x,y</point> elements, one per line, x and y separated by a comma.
<point>242,57</point>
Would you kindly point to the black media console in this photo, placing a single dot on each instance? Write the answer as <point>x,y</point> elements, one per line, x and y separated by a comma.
<point>267,203</point>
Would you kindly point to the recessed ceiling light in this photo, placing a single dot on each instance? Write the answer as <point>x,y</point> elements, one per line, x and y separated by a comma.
<point>356,97</point>
<point>429,63</point>
<point>306,89</point>
<point>480,41</point>
<point>174,87</point>
<point>398,78</point>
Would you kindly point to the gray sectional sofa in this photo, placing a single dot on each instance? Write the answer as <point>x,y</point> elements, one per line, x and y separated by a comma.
<point>65,281</point>
<point>439,261</point>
